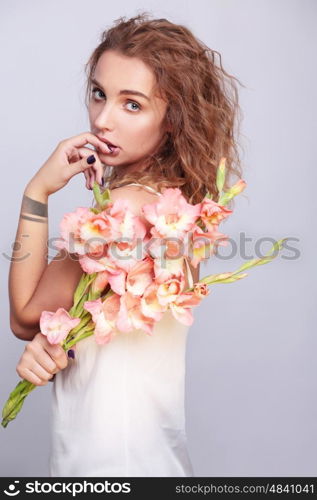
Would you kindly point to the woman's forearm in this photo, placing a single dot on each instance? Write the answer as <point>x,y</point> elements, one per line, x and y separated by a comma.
<point>30,253</point>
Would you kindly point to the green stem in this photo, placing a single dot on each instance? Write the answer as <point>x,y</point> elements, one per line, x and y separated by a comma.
<point>237,274</point>
<point>71,342</point>
<point>81,292</point>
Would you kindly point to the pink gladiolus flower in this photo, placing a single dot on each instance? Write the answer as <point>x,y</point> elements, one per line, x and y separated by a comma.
<point>217,238</point>
<point>70,230</point>
<point>167,292</point>
<point>130,315</point>
<point>100,282</point>
<point>165,270</point>
<point>85,232</point>
<point>115,275</point>
<point>104,315</point>
<point>126,255</point>
<point>118,281</point>
<point>94,307</point>
<point>212,213</point>
<point>140,276</point>
<point>182,307</point>
<point>130,248</point>
<point>91,265</point>
<point>150,306</point>
<point>131,226</point>
<point>204,243</point>
<point>57,325</point>
<point>201,251</point>
<point>171,216</point>
<point>99,230</point>
<point>167,248</point>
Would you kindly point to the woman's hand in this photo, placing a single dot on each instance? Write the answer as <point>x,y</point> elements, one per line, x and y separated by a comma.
<point>68,159</point>
<point>41,360</point>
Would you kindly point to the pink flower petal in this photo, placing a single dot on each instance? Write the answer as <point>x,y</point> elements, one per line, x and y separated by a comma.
<point>56,326</point>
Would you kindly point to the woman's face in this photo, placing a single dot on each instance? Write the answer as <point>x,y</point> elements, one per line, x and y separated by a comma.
<point>132,122</point>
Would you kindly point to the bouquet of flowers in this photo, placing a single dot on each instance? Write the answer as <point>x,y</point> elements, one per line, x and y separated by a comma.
<point>132,274</point>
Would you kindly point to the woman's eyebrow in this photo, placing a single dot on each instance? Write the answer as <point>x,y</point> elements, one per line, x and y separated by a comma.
<point>125,91</point>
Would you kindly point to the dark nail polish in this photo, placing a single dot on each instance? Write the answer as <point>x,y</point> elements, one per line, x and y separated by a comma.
<point>91,159</point>
<point>102,181</point>
<point>71,353</point>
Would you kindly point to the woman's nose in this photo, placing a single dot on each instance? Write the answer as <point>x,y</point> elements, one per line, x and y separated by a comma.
<point>105,119</point>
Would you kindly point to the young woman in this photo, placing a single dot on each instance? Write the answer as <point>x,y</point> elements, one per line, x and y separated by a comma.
<point>161,115</point>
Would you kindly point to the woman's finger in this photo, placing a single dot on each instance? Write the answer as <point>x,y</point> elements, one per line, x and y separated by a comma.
<point>36,376</point>
<point>88,178</point>
<point>45,363</point>
<point>73,155</point>
<point>81,140</point>
<point>96,170</point>
<point>31,377</point>
<point>92,179</point>
<point>40,372</point>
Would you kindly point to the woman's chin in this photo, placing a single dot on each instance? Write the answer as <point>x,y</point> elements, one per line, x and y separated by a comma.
<point>107,159</point>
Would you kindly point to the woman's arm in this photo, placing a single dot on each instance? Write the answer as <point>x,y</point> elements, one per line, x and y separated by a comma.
<point>29,255</point>
<point>35,285</point>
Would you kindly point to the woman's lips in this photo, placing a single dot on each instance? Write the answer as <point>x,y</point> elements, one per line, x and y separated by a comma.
<point>112,148</point>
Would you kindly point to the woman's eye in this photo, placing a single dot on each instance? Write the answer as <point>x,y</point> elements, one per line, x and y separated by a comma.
<point>94,94</point>
<point>136,104</point>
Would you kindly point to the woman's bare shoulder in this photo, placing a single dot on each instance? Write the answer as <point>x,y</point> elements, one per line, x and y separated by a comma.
<point>135,188</point>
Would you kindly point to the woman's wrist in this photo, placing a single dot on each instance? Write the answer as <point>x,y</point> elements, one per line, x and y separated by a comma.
<point>35,192</point>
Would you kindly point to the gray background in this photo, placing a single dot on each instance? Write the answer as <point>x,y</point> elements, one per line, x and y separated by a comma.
<point>251,357</point>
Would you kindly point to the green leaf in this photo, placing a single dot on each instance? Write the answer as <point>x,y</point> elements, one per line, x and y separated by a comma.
<point>102,199</point>
<point>94,210</point>
<point>106,195</point>
<point>97,194</point>
<point>15,401</point>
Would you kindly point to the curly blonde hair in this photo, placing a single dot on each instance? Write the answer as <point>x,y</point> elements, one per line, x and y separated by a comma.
<point>203,109</point>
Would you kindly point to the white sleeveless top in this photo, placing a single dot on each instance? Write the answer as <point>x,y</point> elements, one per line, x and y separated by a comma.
<point>118,409</point>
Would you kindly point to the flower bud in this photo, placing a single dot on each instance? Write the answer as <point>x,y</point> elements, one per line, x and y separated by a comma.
<point>238,187</point>
<point>221,174</point>
<point>201,290</point>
